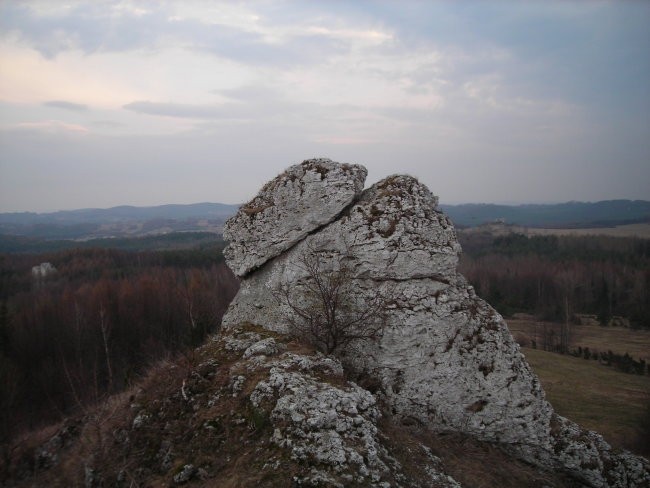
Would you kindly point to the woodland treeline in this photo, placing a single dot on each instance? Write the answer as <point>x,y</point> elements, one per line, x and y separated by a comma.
<point>90,328</point>
<point>556,277</point>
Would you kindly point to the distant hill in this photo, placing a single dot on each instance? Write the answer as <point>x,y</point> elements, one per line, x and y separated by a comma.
<point>563,215</point>
<point>128,221</point>
<point>121,214</point>
<point>123,221</point>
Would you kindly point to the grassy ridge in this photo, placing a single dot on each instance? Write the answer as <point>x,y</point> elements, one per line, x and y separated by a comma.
<point>570,214</point>
<point>596,396</point>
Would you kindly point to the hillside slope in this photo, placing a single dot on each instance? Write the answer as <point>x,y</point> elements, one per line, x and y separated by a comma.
<point>254,408</point>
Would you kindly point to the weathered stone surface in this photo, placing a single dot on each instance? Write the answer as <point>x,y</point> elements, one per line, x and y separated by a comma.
<point>266,347</point>
<point>395,232</point>
<point>300,200</point>
<point>446,359</point>
<point>324,421</point>
<point>594,461</point>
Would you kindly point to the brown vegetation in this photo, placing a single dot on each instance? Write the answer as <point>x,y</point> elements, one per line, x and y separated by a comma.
<point>166,421</point>
<point>555,278</point>
<point>91,327</point>
<point>471,462</point>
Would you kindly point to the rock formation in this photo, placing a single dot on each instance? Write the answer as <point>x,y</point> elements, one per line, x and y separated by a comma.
<point>302,199</point>
<point>446,359</point>
<point>254,409</point>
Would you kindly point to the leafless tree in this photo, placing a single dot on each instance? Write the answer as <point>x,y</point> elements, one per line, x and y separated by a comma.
<point>326,308</point>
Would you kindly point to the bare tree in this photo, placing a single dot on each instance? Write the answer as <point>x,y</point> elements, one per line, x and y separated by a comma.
<point>105,329</point>
<point>568,280</point>
<point>326,308</point>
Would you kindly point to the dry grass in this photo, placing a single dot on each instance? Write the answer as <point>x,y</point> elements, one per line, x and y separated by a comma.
<point>617,339</point>
<point>595,396</point>
<point>473,463</point>
<point>230,439</point>
<point>641,230</point>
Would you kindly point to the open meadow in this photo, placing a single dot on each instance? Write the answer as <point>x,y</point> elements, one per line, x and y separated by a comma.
<point>596,396</point>
<point>620,340</point>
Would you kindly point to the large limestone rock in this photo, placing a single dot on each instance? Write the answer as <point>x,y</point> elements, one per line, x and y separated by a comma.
<point>446,359</point>
<point>300,200</point>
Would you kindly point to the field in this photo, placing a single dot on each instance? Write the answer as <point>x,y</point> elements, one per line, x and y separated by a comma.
<point>620,340</point>
<point>629,230</point>
<point>596,396</point>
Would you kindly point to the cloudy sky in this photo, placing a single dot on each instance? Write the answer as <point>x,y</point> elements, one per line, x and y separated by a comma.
<point>152,102</point>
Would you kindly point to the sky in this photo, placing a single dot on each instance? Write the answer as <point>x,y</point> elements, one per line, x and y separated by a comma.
<point>106,103</point>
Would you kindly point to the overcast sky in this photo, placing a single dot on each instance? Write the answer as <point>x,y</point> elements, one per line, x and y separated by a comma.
<point>145,103</point>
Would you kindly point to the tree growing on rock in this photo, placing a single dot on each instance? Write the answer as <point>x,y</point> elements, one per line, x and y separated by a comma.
<point>326,308</point>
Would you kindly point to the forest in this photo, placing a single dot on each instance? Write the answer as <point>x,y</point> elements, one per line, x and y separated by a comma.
<point>90,328</point>
<point>557,277</point>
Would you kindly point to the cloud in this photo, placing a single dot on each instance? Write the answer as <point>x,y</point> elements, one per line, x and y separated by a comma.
<point>107,124</point>
<point>188,111</point>
<point>240,35</point>
<point>76,107</point>
<point>89,27</point>
<point>487,91</point>
<point>250,93</point>
<point>50,127</point>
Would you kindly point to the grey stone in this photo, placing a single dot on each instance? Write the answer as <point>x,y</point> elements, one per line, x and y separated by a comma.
<point>266,347</point>
<point>325,422</point>
<point>445,360</point>
<point>300,200</point>
<point>185,474</point>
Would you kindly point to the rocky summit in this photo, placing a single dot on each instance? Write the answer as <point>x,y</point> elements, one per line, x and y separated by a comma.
<point>445,360</point>
<point>439,397</point>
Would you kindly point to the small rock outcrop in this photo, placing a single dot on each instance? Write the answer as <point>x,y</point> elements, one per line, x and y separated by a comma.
<point>446,359</point>
<point>42,271</point>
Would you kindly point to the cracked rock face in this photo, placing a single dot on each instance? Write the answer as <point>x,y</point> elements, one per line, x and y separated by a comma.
<point>446,359</point>
<point>300,200</point>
